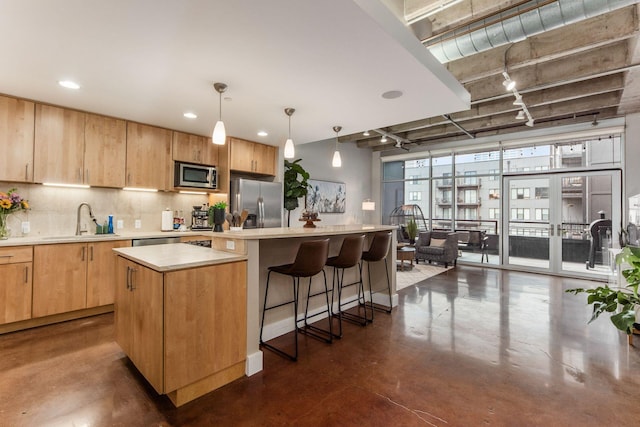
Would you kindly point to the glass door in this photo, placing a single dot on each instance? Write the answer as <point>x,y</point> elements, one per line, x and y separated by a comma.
<point>562,223</point>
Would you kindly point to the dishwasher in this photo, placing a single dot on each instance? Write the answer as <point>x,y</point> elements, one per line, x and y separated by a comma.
<point>154,241</point>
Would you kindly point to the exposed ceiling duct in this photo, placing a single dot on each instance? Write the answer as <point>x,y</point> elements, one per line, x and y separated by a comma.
<point>516,24</point>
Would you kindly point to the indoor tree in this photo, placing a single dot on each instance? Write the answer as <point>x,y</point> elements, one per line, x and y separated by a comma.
<point>295,185</point>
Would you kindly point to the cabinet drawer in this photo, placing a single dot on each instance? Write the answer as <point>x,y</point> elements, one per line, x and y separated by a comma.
<point>14,254</point>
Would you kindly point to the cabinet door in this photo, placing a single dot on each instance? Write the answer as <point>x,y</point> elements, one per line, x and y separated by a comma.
<point>16,139</point>
<point>59,145</point>
<point>211,299</point>
<point>241,155</point>
<point>148,324</point>
<point>148,157</point>
<point>264,159</point>
<point>123,306</point>
<point>15,292</point>
<point>59,278</point>
<point>101,270</point>
<point>105,151</point>
<point>194,149</point>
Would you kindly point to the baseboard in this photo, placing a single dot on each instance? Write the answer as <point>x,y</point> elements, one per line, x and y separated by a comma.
<point>253,364</point>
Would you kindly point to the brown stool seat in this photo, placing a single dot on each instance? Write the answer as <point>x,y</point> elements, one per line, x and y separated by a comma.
<point>378,252</point>
<point>310,261</point>
<point>349,256</point>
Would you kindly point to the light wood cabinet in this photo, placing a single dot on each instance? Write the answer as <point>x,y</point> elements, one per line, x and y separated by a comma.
<point>101,265</point>
<point>16,284</point>
<point>252,157</point>
<point>184,330</point>
<point>138,319</point>
<point>105,151</point>
<point>149,162</point>
<point>59,145</point>
<point>73,276</point>
<point>16,139</point>
<point>59,278</point>
<point>194,149</point>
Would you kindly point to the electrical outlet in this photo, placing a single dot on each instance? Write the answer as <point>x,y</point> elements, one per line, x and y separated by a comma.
<point>120,224</point>
<point>138,223</point>
<point>26,227</point>
<point>231,245</point>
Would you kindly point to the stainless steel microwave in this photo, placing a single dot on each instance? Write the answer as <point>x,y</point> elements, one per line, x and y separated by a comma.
<point>197,176</point>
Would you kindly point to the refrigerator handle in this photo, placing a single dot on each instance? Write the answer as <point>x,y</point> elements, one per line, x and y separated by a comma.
<point>260,219</point>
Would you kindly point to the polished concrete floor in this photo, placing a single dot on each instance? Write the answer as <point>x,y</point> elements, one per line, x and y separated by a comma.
<point>467,347</point>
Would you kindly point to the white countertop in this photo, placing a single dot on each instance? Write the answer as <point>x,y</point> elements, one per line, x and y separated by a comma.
<point>286,232</point>
<point>178,256</point>
<point>70,238</point>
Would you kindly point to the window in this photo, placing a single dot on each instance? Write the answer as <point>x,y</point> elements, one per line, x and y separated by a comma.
<point>470,178</point>
<point>470,196</point>
<point>495,174</point>
<point>520,193</point>
<point>415,196</point>
<point>494,213</point>
<point>542,214</point>
<point>494,194</point>
<point>520,213</point>
<point>446,213</point>
<point>413,179</point>
<point>470,213</point>
<point>542,192</point>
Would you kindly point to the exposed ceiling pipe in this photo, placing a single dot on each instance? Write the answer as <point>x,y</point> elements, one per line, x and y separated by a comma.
<point>399,140</point>
<point>516,24</point>
<point>453,122</point>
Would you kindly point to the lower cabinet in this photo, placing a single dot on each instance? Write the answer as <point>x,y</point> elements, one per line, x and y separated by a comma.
<point>15,285</point>
<point>184,330</point>
<point>73,276</point>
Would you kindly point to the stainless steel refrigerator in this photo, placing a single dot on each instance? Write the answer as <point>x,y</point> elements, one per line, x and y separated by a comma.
<point>262,199</point>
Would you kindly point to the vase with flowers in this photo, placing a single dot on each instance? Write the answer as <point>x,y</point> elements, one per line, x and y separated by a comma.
<point>10,202</point>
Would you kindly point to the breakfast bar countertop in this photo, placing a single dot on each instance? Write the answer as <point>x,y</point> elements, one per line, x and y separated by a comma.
<point>288,232</point>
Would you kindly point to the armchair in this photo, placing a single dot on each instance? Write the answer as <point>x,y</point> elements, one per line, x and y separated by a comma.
<point>440,246</point>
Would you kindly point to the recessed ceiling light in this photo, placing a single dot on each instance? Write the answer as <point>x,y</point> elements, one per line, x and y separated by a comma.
<point>392,94</point>
<point>69,84</point>
<point>190,115</point>
<point>262,133</point>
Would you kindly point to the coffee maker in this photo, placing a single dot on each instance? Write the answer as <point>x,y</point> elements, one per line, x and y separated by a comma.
<point>200,219</point>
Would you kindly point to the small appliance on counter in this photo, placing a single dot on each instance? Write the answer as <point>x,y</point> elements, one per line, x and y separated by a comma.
<point>200,219</point>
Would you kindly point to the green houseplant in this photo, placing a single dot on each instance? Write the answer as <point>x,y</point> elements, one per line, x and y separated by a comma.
<point>620,301</point>
<point>216,215</point>
<point>295,185</point>
<point>412,230</point>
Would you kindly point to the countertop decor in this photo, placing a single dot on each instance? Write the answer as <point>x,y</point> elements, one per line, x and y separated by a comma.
<point>10,202</point>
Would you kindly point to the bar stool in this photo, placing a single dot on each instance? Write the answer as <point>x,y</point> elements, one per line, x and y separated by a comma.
<point>310,260</point>
<point>378,252</point>
<point>349,256</point>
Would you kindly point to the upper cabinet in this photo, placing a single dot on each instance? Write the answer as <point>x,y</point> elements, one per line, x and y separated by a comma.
<point>16,139</point>
<point>194,149</point>
<point>149,162</point>
<point>59,145</point>
<point>252,157</point>
<point>105,151</point>
<point>79,148</point>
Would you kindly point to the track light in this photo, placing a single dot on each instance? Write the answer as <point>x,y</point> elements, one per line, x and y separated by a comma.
<point>520,115</point>
<point>529,122</point>
<point>518,100</point>
<point>365,133</point>
<point>383,138</point>
<point>508,83</point>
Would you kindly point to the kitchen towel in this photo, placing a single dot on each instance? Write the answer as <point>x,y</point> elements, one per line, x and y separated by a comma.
<point>167,220</point>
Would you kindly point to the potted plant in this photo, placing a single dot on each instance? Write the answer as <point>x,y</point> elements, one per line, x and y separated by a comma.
<point>295,185</point>
<point>621,301</point>
<point>216,215</point>
<point>412,231</point>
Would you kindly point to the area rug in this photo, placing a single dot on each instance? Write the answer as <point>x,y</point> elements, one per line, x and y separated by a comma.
<point>418,273</point>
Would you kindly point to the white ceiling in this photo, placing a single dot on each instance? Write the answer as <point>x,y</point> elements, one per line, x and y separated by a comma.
<point>152,60</point>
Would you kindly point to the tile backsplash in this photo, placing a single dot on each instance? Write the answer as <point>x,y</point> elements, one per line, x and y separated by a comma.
<point>54,209</point>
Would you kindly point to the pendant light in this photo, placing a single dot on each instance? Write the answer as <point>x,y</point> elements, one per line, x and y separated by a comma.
<point>219,133</point>
<point>337,161</point>
<point>289,149</point>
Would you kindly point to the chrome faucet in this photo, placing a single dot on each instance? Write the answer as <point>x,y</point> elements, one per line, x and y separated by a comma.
<point>78,231</point>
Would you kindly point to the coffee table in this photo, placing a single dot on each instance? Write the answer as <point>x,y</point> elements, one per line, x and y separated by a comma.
<point>406,253</point>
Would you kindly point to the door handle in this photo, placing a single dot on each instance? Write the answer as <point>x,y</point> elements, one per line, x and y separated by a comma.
<point>559,230</point>
<point>131,287</point>
<point>91,253</point>
<point>82,256</point>
<point>26,274</point>
<point>551,230</point>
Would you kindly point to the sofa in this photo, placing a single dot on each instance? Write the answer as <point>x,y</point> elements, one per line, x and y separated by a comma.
<point>439,246</point>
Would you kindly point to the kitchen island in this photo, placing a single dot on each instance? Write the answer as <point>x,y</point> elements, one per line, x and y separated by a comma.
<point>180,316</point>
<point>265,247</point>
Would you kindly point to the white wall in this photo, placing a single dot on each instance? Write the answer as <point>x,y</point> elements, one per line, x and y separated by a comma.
<point>632,156</point>
<point>355,173</point>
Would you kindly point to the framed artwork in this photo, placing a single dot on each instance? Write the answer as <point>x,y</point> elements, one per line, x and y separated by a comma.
<point>326,196</point>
